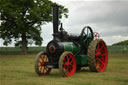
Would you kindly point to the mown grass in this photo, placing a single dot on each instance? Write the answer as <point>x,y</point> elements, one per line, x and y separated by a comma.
<point>19,70</point>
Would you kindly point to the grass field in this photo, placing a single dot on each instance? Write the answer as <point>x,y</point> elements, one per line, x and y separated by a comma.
<point>33,50</point>
<point>19,70</point>
<point>17,50</point>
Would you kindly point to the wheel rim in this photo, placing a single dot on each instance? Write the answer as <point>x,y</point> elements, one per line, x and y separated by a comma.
<point>101,56</point>
<point>69,65</point>
<point>43,58</point>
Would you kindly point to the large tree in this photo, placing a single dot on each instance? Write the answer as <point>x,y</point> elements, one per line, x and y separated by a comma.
<point>21,20</point>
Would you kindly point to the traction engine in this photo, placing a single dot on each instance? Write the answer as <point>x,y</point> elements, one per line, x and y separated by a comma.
<point>69,53</point>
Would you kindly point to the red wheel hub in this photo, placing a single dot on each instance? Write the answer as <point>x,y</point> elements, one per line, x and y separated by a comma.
<point>101,56</point>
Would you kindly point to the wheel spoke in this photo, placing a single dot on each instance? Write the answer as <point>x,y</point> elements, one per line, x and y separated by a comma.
<point>67,58</point>
<point>43,69</point>
<point>40,68</point>
<point>96,54</point>
<point>64,61</point>
<point>45,58</point>
<point>101,67</point>
<point>70,69</point>
<point>101,61</point>
<point>71,61</point>
<point>98,46</point>
<point>64,66</point>
<point>103,54</point>
<point>42,57</point>
<point>101,48</point>
<point>96,50</point>
<point>66,70</point>
<point>96,58</point>
<point>102,58</point>
<point>70,65</point>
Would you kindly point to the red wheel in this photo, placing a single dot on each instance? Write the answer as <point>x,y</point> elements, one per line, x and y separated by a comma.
<point>40,64</point>
<point>67,64</point>
<point>101,57</point>
<point>97,56</point>
<point>96,35</point>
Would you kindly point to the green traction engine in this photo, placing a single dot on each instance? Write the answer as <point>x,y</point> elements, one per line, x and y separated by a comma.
<point>68,52</point>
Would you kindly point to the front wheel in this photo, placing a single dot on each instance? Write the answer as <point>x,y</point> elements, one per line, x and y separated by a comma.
<point>40,64</point>
<point>67,64</point>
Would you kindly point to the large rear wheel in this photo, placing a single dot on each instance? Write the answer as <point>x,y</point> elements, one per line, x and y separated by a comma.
<point>97,56</point>
<point>67,64</point>
<point>40,64</point>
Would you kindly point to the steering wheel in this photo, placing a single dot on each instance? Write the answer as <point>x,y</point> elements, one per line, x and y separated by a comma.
<point>86,35</point>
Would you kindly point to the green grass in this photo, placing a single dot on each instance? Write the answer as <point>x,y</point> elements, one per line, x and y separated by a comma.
<point>17,50</point>
<point>19,70</point>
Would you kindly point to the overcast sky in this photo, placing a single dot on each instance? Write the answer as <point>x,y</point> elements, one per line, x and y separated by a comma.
<point>107,17</point>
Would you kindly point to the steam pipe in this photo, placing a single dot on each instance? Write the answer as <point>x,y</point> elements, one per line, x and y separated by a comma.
<point>55,21</point>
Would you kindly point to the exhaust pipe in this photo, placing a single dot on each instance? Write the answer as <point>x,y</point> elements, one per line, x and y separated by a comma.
<point>55,22</point>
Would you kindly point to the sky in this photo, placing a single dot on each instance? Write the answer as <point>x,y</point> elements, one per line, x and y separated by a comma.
<point>107,17</point>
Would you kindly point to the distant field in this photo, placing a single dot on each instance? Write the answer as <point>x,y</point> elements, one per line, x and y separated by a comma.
<point>34,50</point>
<point>19,70</point>
<point>118,49</point>
<point>16,50</point>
